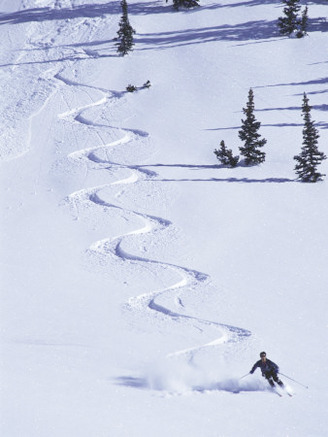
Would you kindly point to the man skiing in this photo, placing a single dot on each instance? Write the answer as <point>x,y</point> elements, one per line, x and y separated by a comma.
<point>269,370</point>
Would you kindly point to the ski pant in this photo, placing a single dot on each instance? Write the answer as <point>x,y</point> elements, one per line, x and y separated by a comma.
<point>273,377</point>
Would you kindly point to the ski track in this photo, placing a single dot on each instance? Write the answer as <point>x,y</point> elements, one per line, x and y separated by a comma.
<point>112,247</point>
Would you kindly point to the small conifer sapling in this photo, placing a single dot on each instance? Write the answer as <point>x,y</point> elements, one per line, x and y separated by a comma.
<point>125,32</point>
<point>225,156</point>
<point>250,136</point>
<point>310,157</point>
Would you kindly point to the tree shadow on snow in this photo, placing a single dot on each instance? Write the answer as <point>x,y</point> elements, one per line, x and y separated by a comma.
<point>262,124</point>
<point>190,166</point>
<point>320,81</point>
<point>111,7</point>
<point>49,14</point>
<point>74,58</point>
<point>114,7</point>
<point>251,3</point>
<point>233,180</point>
<point>320,124</point>
<point>204,167</point>
<point>322,107</point>
<point>252,30</point>
<point>87,10</point>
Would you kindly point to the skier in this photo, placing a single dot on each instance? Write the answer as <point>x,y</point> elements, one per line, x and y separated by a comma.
<point>269,370</point>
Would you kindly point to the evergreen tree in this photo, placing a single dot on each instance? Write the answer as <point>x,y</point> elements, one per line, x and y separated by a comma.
<point>310,157</point>
<point>290,22</point>
<point>125,32</point>
<point>185,4</point>
<point>303,23</point>
<point>249,134</point>
<point>225,156</point>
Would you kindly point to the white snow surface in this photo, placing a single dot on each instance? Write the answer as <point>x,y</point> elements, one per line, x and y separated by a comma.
<point>139,278</point>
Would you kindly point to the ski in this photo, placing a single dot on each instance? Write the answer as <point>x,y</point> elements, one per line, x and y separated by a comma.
<point>277,393</point>
<point>275,389</point>
<point>285,389</point>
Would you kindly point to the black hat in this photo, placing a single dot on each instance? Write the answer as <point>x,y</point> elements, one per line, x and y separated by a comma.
<point>263,353</point>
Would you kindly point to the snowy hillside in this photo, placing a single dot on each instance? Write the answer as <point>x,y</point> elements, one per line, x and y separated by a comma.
<point>140,279</point>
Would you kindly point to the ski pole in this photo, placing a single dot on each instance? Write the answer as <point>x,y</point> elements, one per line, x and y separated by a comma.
<point>297,382</point>
<point>244,376</point>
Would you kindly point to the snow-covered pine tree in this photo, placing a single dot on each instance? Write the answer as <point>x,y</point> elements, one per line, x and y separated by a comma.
<point>225,156</point>
<point>290,22</point>
<point>249,134</point>
<point>125,32</point>
<point>310,157</point>
<point>185,4</point>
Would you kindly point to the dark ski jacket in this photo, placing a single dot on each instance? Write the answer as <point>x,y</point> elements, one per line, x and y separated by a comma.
<point>268,368</point>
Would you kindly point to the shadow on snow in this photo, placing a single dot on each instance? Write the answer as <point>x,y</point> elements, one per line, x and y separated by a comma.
<point>218,166</point>
<point>112,7</point>
<point>249,31</point>
<point>252,30</point>
<point>232,180</point>
<point>49,14</point>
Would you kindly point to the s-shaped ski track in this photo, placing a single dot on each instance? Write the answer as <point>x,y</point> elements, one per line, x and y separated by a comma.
<point>150,303</point>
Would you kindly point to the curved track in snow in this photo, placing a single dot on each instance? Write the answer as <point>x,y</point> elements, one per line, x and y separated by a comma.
<point>159,303</point>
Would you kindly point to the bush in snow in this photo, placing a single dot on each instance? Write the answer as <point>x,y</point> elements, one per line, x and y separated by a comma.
<point>185,4</point>
<point>310,157</point>
<point>125,32</point>
<point>225,156</point>
<point>249,134</point>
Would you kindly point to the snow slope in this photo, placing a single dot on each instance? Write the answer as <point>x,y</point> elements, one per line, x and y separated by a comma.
<point>139,278</point>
